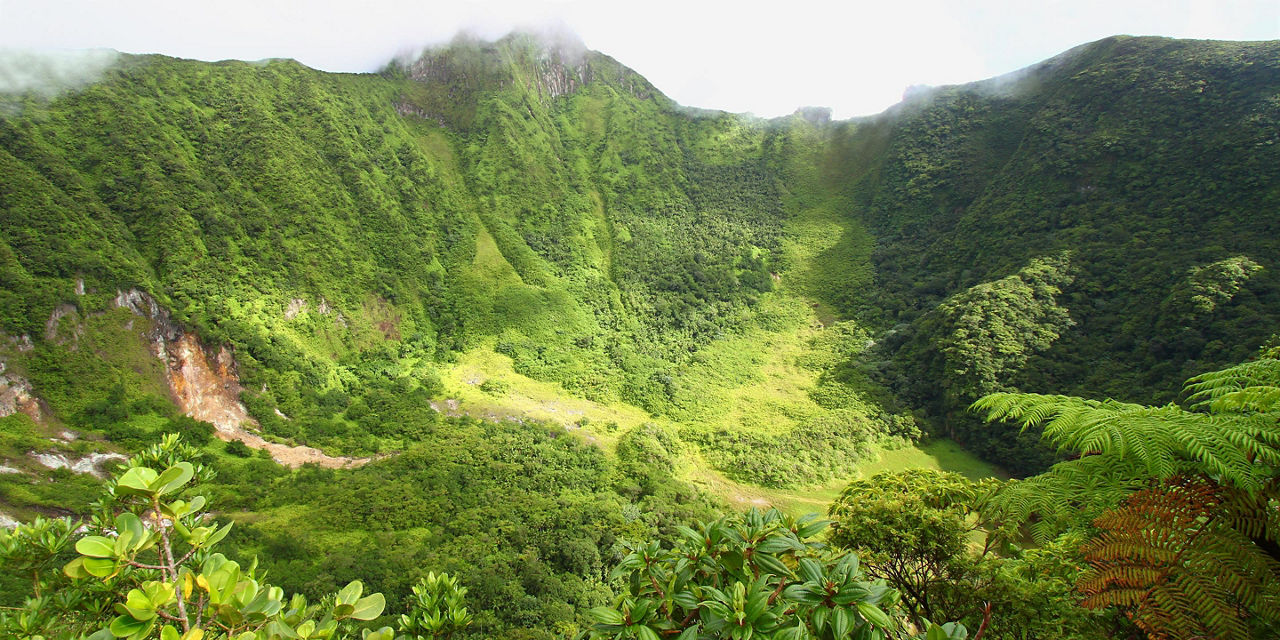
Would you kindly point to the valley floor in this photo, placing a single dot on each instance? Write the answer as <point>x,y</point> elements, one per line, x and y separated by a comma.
<point>523,399</point>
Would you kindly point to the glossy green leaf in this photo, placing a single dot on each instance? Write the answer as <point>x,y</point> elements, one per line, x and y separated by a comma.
<point>96,547</point>
<point>689,634</point>
<point>279,630</point>
<point>385,633</point>
<point>101,634</point>
<point>75,569</point>
<point>774,544</point>
<point>139,605</point>
<point>851,593</point>
<point>369,607</point>
<point>772,565</point>
<point>99,567</point>
<point>159,593</point>
<point>137,480</point>
<point>819,618</point>
<point>217,536</point>
<point>874,615</point>
<point>848,565</point>
<point>126,626</point>
<point>841,622</point>
<point>606,615</point>
<point>686,600</point>
<point>807,593</point>
<point>350,593</point>
<point>810,570</point>
<point>643,632</point>
<point>642,608</point>
<point>812,529</point>
<point>173,478</point>
<point>132,535</point>
<point>796,632</point>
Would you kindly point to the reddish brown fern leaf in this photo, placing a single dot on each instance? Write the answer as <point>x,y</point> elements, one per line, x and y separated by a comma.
<point>1180,559</point>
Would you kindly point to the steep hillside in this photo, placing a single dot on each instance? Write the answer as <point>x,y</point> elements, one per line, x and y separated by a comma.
<point>538,304</point>
<point>351,236</point>
<point>1154,163</point>
<point>543,202</point>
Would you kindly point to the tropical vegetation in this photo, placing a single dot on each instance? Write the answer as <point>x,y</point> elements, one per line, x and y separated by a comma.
<point>502,342</point>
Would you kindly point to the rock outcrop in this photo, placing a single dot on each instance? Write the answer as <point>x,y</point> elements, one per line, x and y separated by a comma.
<point>91,464</point>
<point>205,384</point>
<point>16,396</point>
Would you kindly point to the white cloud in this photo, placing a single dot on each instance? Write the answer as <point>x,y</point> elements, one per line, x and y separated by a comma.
<point>51,72</point>
<point>856,57</point>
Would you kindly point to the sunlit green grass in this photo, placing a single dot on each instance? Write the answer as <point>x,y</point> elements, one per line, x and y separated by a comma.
<point>942,455</point>
<point>523,398</point>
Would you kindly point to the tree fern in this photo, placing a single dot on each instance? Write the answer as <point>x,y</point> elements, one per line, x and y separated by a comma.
<point>1187,501</point>
<point>1247,387</point>
<point>1069,494</point>
<point>1170,559</point>
<point>1238,449</point>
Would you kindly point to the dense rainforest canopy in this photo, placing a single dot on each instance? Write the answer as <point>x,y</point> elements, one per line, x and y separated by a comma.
<point>503,334</point>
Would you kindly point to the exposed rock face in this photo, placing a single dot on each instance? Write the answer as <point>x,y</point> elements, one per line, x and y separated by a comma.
<point>296,306</point>
<point>409,109</point>
<point>163,330</point>
<point>138,302</point>
<point>55,319</point>
<point>206,385</point>
<point>22,343</point>
<point>557,77</point>
<point>91,464</point>
<point>16,395</point>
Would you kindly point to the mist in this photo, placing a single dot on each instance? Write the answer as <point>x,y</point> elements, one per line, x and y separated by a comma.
<point>47,74</point>
<point>855,57</point>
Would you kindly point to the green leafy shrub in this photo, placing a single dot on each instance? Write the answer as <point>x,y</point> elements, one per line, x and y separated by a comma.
<point>149,552</point>
<point>759,574</point>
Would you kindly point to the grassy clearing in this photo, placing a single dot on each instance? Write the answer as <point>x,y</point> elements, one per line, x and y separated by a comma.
<point>513,396</point>
<point>942,455</point>
<point>828,253</point>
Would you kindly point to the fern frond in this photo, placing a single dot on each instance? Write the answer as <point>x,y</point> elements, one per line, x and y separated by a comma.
<point>1188,502</point>
<point>1072,492</point>
<point>1158,438</point>
<point>1172,557</point>
<point>1249,386</point>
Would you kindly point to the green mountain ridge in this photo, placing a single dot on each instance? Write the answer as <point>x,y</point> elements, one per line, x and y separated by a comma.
<point>523,231</point>
<point>551,202</point>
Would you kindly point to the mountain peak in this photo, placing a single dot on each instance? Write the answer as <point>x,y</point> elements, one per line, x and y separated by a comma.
<point>546,64</point>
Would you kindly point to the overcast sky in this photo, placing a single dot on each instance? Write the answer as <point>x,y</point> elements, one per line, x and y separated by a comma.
<point>765,58</point>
